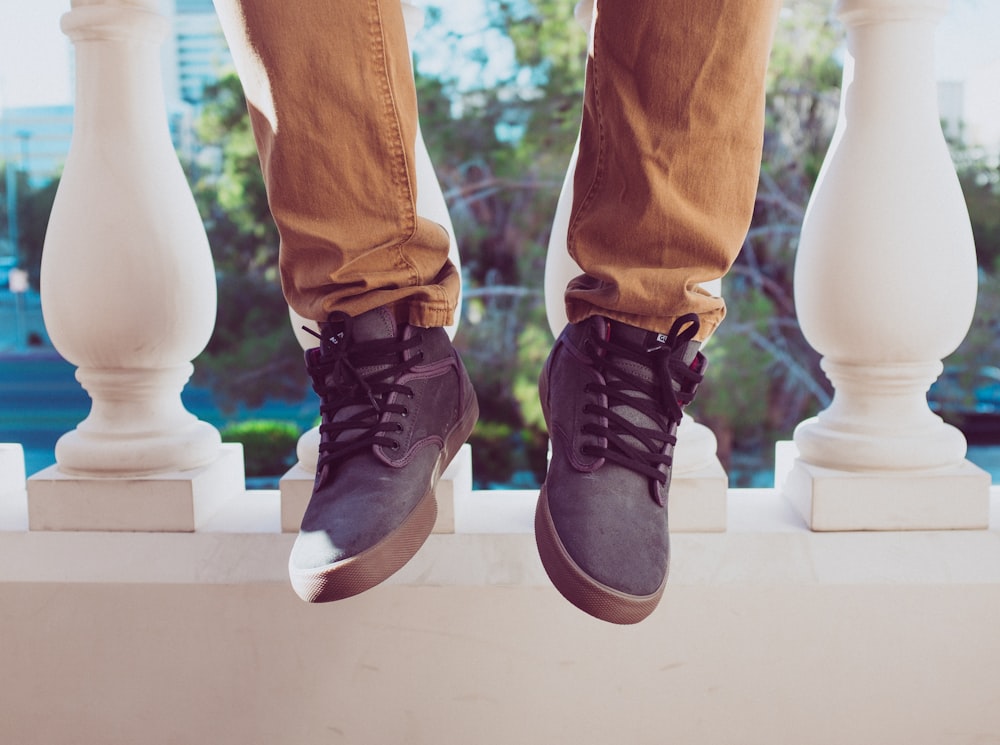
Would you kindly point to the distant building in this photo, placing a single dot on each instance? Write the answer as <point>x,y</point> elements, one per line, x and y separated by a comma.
<point>36,139</point>
<point>951,107</point>
<point>982,106</point>
<point>970,109</point>
<point>196,53</point>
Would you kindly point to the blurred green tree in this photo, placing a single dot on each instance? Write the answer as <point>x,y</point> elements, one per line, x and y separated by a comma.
<point>979,176</point>
<point>253,355</point>
<point>501,150</point>
<point>34,203</point>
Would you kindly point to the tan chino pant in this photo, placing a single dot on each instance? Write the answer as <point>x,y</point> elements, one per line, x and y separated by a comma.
<point>664,188</point>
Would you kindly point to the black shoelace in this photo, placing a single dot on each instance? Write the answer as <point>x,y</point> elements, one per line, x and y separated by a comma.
<point>641,449</point>
<point>337,378</point>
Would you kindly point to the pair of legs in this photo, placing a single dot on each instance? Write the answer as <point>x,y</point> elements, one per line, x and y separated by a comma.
<point>663,193</point>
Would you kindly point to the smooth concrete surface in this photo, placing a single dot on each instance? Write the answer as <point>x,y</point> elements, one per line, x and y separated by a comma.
<point>251,664</point>
<point>768,633</point>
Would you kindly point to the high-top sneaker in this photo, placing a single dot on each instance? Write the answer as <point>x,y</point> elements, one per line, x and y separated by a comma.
<point>612,395</point>
<point>396,405</point>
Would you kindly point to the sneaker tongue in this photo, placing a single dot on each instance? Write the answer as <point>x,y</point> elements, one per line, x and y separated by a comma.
<point>371,326</point>
<point>637,339</point>
<point>649,342</point>
<point>653,344</point>
<point>375,324</point>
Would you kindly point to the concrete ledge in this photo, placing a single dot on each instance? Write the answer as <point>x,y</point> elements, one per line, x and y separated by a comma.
<point>954,498</point>
<point>768,633</point>
<point>767,543</point>
<point>697,501</point>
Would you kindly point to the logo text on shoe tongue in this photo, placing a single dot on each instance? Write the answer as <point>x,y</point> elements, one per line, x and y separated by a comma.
<point>655,342</point>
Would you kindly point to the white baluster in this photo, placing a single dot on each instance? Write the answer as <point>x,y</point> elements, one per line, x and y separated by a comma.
<point>11,469</point>
<point>699,488</point>
<point>296,485</point>
<point>885,285</point>
<point>430,199</point>
<point>128,295</point>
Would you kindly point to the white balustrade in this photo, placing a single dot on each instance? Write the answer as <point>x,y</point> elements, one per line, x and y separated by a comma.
<point>698,489</point>
<point>128,295</point>
<point>296,485</point>
<point>885,286</point>
<point>885,289</point>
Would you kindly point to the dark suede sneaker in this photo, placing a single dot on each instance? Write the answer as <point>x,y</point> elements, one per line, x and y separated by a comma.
<point>612,396</point>
<point>396,406</point>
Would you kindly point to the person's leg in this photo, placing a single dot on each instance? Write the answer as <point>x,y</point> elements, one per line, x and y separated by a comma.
<point>334,114</point>
<point>669,156</point>
<point>663,193</point>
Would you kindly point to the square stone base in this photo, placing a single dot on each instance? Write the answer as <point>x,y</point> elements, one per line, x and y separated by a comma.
<point>697,502</point>
<point>11,468</point>
<point>296,490</point>
<point>830,500</point>
<point>172,502</point>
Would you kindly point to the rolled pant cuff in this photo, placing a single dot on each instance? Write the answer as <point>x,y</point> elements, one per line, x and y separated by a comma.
<point>709,322</point>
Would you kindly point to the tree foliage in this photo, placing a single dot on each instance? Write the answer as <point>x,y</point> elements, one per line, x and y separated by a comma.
<point>979,176</point>
<point>34,203</point>
<point>253,355</point>
<point>501,150</point>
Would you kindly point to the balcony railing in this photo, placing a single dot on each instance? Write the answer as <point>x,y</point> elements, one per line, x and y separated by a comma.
<point>143,590</point>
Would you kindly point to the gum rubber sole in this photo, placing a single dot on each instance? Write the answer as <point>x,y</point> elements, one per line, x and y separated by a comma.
<point>355,574</point>
<point>577,586</point>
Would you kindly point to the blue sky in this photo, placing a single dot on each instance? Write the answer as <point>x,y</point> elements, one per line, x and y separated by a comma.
<point>34,54</point>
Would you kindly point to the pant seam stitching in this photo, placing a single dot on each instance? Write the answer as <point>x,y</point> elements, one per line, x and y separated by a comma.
<point>396,148</point>
<point>595,184</point>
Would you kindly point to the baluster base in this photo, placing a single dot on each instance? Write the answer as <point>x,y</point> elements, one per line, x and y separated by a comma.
<point>11,468</point>
<point>181,501</point>
<point>137,426</point>
<point>949,498</point>
<point>699,486</point>
<point>456,482</point>
<point>697,501</point>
